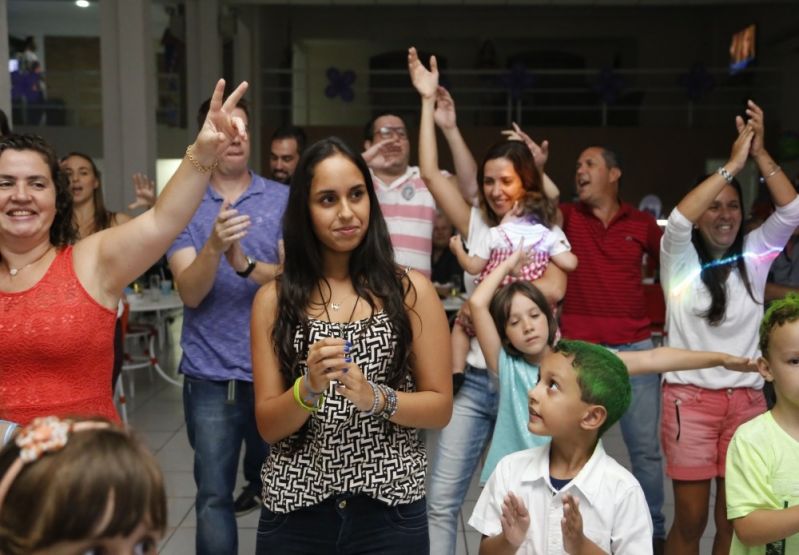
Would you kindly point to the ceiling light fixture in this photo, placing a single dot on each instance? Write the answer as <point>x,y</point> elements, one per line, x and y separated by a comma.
<point>82,3</point>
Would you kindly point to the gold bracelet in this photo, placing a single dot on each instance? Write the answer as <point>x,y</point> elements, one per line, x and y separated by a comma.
<point>196,164</point>
<point>774,172</point>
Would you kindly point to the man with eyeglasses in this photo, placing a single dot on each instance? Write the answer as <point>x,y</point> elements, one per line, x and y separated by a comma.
<point>407,205</point>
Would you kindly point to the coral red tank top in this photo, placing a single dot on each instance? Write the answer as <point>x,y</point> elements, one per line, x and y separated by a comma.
<point>56,349</point>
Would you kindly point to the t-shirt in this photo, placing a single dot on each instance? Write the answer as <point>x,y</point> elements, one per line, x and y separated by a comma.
<point>762,473</point>
<point>516,378</point>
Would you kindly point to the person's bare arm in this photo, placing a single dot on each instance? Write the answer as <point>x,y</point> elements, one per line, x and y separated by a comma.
<point>670,359</point>
<point>465,166</point>
<point>472,264</point>
<point>109,260</point>
<point>764,526</point>
<point>699,199</point>
<point>566,261</point>
<point>447,197</point>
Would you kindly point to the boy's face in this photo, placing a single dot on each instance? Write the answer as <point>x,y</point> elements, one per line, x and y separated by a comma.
<point>526,328</point>
<point>555,403</point>
<point>782,366</point>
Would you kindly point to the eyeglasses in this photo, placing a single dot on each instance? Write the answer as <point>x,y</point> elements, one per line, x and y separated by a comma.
<point>386,132</point>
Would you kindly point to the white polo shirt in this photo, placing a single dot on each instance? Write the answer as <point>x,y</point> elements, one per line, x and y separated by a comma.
<point>612,504</point>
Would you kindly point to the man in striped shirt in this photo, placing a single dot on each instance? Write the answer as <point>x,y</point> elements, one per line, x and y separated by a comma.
<point>605,304</point>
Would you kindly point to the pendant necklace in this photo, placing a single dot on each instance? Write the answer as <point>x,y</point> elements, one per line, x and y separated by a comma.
<point>14,271</point>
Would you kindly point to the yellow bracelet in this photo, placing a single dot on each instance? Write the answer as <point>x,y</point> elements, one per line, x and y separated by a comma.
<point>298,397</point>
<point>196,164</point>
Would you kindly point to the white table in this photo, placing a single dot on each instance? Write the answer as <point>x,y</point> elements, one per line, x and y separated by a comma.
<point>159,304</point>
<point>453,304</point>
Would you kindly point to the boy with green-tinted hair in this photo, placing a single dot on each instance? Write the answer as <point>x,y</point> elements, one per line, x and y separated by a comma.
<point>762,482</point>
<point>583,501</point>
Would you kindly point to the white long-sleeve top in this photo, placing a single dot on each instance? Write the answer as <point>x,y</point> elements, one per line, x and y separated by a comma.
<point>687,297</point>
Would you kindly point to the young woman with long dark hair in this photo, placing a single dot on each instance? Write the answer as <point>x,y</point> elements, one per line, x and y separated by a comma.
<point>349,361</point>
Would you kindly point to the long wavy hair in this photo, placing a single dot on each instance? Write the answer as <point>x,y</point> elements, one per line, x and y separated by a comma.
<point>534,201</point>
<point>714,274</point>
<point>63,231</point>
<point>372,270</point>
<point>103,218</point>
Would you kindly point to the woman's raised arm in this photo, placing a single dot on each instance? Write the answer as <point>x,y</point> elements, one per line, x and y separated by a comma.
<point>109,260</point>
<point>446,195</point>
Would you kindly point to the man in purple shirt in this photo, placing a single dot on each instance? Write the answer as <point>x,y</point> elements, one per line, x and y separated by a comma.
<point>229,249</point>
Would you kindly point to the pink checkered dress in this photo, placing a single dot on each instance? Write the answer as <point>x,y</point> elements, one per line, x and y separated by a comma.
<point>531,272</point>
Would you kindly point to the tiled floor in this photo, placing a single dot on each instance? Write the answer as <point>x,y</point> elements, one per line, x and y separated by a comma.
<point>156,413</point>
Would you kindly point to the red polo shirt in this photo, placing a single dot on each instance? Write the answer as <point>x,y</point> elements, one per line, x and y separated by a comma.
<point>604,300</point>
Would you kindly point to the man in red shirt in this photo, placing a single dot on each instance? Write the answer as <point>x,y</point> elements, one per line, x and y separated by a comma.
<point>605,304</point>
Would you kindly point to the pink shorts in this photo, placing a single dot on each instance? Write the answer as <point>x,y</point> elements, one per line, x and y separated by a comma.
<point>697,425</point>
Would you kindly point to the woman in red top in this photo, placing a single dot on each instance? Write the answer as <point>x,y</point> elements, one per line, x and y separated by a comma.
<point>58,300</point>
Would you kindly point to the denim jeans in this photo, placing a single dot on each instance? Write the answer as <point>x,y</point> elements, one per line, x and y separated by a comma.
<point>460,445</point>
<point>345,524</point>
<point>216,428</point>
<point>640,427</point>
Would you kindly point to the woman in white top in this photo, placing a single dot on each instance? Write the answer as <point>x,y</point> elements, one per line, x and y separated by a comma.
<point>714,278</point>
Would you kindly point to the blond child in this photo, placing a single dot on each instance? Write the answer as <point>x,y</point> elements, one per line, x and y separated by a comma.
<point>762,467</point>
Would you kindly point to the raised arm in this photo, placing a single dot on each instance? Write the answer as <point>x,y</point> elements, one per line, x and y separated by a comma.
<point>484,326</point>
<point>447,197</point>
<point>699,199</point>
<point>782,192</point>
<point>668,359</point>
<point>107,261</point>
<point>465,166</point>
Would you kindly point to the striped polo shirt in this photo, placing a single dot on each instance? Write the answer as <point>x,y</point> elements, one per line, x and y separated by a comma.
<point>604,300</point>
<point>409,211</point>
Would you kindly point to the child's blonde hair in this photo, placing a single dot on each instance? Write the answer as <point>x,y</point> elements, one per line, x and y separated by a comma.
<point>62,493</point>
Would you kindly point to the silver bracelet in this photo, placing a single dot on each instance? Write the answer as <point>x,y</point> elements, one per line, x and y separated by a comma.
<point>375,401</point>
<point>728,177</point>
<point>773,172</point>
<point>390,408</point>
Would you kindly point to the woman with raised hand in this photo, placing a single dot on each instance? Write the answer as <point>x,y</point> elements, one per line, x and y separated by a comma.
<point>58,297</point>
<point>499,187</point>
<point>348,365</point>
<point>714,277</point>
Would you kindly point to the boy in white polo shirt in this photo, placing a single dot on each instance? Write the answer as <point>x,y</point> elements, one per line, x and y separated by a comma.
<point>569,495</point>
<point>762,479</point>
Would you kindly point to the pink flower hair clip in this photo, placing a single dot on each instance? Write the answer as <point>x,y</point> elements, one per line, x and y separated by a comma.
<point>43,435</point>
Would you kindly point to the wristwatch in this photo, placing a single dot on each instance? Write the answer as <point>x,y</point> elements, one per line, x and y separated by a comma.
<point>245,273</point>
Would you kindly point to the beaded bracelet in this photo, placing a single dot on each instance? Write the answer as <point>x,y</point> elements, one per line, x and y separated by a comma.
<point>298,398</point>
<point>390,408</point>
<point>196,163</point>
<point>314,397</point>
<point>376,401</point>
<point>723,172</point>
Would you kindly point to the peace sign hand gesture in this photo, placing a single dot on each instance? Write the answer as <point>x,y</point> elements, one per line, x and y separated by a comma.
<point>221,127</point>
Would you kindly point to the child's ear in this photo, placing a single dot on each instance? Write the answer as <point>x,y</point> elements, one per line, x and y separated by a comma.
<point>594,417</point>
<point>764,369</point>
<point>367,144</point>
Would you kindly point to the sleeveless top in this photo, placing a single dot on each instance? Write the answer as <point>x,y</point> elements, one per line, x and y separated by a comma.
<point>57,349</point>
<point>344,451</point>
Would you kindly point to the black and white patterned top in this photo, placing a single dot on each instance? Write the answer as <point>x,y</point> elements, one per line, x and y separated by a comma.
<point>345,451</point>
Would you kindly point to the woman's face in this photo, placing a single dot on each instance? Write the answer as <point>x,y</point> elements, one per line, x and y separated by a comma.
<point>82,179</point>
<point>502,186</point>
<point>27,194</point>
<point>339,204</point>
<point>719,224</point>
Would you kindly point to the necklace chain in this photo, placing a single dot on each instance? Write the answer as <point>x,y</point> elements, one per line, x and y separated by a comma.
<point>14,271</point>
<point>336,306</point>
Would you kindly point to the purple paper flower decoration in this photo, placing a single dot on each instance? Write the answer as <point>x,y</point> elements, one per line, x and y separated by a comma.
<point>697,82</point>
<point>609,86</point>
<point>340,84</point>
<point>517,80</point>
